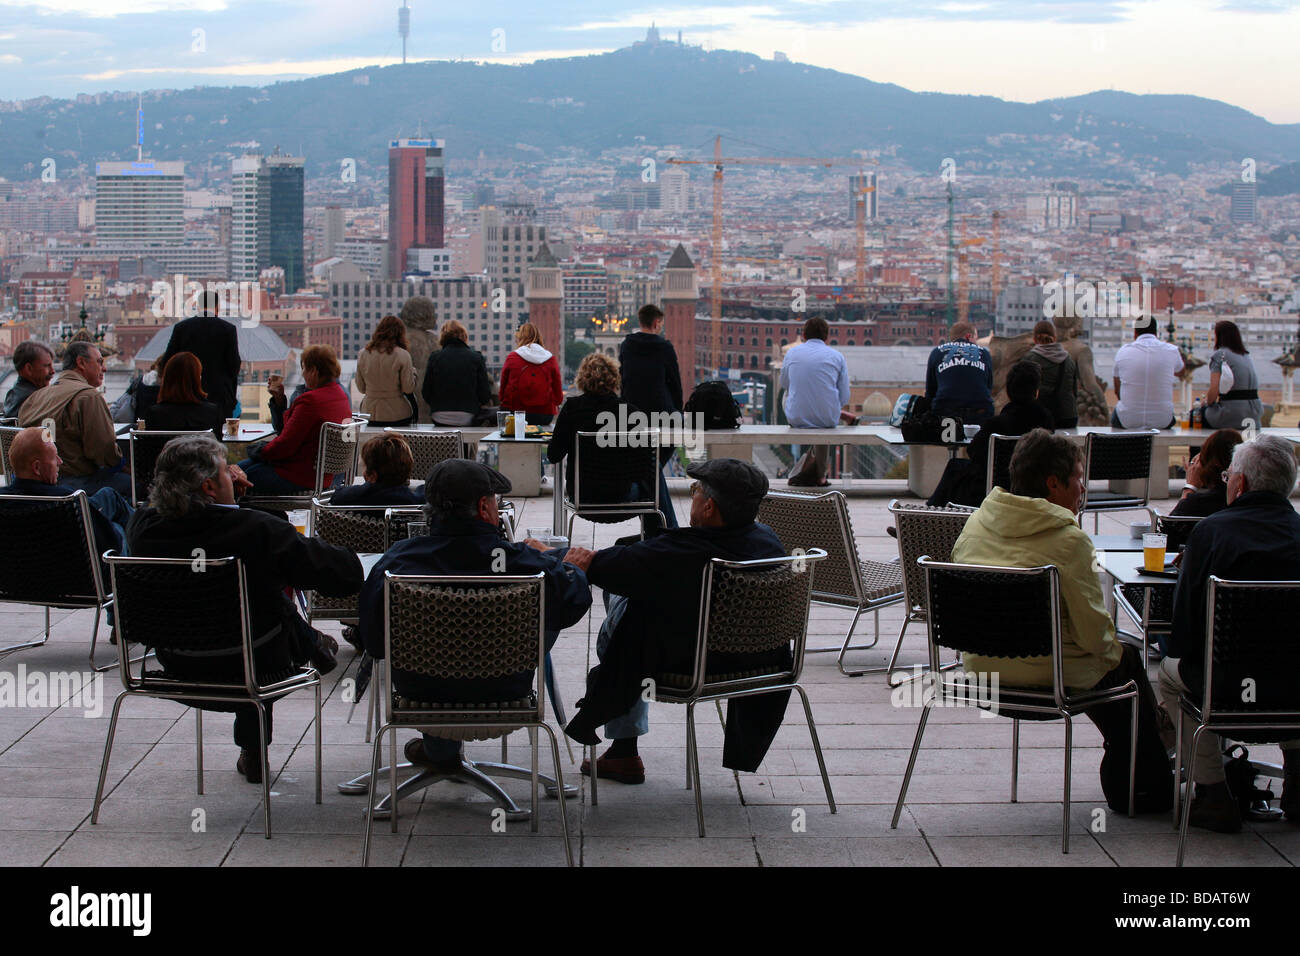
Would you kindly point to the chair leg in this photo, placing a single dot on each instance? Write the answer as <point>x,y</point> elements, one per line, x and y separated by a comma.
<point>1187,800</point>
<point>392,779</point>
<point>318,743</point>
<point>557,705</point>
<point>108,750</point>
<point>532,745</point>
<point>1015,757</point>
<point>911,763</point>
<point>94,639</point>
<point>888,669</point>
<point>370,800</point>
<point>1132,758</point>
<point>844,648</point>
<point>592,764</point>
<point>1178,768</point>
<point>198,745</point>
<point>817,747</point>
<point>266,766</point>
<point>1065,803</point>
<point>693,765</point>
<point>559,786</point>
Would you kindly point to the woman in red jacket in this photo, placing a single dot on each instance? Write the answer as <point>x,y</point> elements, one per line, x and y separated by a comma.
<point>287,464</point>
<point>530,379</point>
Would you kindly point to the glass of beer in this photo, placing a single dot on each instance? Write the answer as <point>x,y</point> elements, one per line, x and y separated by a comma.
<point>1153,552</point>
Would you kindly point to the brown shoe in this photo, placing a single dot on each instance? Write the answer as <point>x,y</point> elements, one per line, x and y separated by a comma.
<point>250,765</point>
<point>1216,810</point>
<point>619,769</point>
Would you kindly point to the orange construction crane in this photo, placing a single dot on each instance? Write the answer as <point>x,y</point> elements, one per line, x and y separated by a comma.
<point>718,161</point>
<point>997,256</point>
<point>963,278</point>
<point>860,214</point>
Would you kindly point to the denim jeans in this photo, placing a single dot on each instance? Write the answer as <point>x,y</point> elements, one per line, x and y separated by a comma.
<point>266,480</point>
<point>113,507</point>
<point>113,478</point>
<point>636,722</point>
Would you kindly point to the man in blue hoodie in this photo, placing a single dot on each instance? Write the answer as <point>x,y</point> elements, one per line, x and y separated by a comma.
<point>959,377</point>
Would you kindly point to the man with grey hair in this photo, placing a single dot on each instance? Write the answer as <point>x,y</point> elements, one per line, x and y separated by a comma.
<point>1255,538</point>
<point>34,363</point>
<point>83,427</point>
<point>191,513</point>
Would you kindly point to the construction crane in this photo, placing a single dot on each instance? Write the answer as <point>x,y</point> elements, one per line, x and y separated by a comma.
<point>963,277</point>
<point>997,257</point>
<point>718,162</point>
<point>860,214</point>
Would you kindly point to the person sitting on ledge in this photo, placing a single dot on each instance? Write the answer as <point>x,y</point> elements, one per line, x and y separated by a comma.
<point>1034,524</point>
<point>652,590</point>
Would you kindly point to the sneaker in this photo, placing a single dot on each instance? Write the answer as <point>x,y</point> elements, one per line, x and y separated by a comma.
<point>628,770</point>
<point>415,754</point>
<point>250,765</point>
<point>323,654</point>
<point>1217,810</point>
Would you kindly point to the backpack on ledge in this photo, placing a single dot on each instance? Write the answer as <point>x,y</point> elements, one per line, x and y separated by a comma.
<point>715,402</point>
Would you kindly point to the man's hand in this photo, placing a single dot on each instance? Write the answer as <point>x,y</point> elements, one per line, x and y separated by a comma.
<point>239,480</point>
<point>536,545</point>
<point>580,558</point>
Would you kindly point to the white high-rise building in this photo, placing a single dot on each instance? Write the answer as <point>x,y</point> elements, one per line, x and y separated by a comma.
<point>139,203</point>
<point>675,190</point>
<point>250,201</point>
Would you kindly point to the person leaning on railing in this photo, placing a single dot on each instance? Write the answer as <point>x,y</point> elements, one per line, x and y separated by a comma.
<point>1032,525</point>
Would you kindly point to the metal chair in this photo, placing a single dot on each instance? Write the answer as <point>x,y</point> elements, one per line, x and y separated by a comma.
<point>337,453</point>
<point>397,522</point>
<point>922,530</point>
<point>1122,456</point>
<point>153,595</point>
<point>48,558</point>
<point>7,435</point>
<point>607,465</point>
<point>1176,529</point>
<point>429,447</point>
<point>997,472</point>
<point>145,447</point>
<point>746,607</point>
<point>465,627</point>
<point>361,529</point>
<point>843,579</point>
<point>1249,643</point>
<point>971,607</point>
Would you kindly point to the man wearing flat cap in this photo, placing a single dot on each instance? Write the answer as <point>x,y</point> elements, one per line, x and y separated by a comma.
<point>652,620</point>
<point>465,538</point>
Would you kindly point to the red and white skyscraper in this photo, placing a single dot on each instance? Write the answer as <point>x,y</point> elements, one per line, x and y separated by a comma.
<point>415,199</point>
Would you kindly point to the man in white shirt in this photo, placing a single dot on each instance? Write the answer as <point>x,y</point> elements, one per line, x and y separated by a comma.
<point>1146,371</point>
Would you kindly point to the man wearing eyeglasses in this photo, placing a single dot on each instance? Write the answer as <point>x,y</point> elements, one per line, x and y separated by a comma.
<point>1255,538</point>
<point>652,591</point>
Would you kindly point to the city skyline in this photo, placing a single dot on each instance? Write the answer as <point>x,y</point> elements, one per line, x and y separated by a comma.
<point>1237,51</point>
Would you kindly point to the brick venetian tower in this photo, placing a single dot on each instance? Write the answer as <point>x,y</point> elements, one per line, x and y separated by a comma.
<point>545,294</point>
<point>680,295</point>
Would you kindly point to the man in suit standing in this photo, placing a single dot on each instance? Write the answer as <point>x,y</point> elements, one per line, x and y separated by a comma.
<point>216,342</point>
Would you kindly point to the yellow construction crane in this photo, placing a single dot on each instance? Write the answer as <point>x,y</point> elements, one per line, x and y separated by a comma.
<point>860,214</point>
<point>718,161</point>
<point>963,278</point>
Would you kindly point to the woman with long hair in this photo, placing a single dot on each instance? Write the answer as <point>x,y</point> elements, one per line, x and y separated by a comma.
<point>1205,492</point>
<point>530,378</point>
<point>1233,398</point>
<point>385,376</point>
<point>181,405</point>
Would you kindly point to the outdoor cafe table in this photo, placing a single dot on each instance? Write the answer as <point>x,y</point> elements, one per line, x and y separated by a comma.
<point>1125,568</point>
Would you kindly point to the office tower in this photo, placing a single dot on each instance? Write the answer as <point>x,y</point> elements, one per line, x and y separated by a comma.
<point>675,190</point>
<point>266,218</point>
<point>511,238</point>
<point>333,230</point>
<point>1243,203</point>
<point>139,203</point>
<point>870,200</point>
<point>415,199</point>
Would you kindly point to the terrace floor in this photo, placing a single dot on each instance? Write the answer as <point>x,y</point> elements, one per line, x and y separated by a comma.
<point>958,811</point>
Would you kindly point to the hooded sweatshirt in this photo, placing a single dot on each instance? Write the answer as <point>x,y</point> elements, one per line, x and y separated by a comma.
<point>1058,391</point>
<point>1018,532</point>
<point>530,381</point>
<point>651,379</point>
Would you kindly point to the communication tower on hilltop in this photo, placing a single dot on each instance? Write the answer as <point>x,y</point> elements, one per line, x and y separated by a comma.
<point>404,26</point>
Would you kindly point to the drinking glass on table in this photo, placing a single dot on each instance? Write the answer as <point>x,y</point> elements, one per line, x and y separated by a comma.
<point>1153,552</point>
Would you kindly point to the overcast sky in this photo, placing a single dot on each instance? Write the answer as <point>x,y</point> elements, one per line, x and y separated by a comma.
<point>1243,52</point>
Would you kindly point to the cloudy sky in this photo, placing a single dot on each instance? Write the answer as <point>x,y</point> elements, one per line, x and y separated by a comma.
<point>1239,51</point>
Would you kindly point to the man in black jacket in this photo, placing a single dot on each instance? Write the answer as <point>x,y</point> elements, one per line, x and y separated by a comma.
<point>651,380</point>
<point>192,508</point>
<point>34,363</point>
<point>1255,538</point>
<point>465,538</point>
<point>652,621</point>
<point>216,342</point>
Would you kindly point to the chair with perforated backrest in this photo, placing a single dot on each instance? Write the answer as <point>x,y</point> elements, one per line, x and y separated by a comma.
<point>972,609</point>
<point>606,467</point>
<point>922,530</point>
<point>337,454</point>
<point>48,558</point>
<point>429,447</point>
<point>7,435</point>
<point>1176,529</point>
<point>997,471</point>
<point>1249,690</point>
<point>465,628</point>
<point>145,447</point>
<point>1122,456</point>
<point>359,528</point>
<point>843,579</point>
<point>210,595</point>
<point>757,608</point>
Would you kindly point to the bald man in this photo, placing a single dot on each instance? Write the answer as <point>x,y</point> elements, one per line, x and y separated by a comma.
<point>35,460</point>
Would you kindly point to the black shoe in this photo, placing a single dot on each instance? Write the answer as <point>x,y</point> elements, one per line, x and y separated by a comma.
<point>1215,809</point>
<point>323,653</point>
<point>352,636</point>
<point>415,755</point>
<point>250,765</point>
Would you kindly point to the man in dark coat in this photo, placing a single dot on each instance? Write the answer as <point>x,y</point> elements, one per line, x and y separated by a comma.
<point>465,538</point>
<point>34,363</point>
<point>192,514</point>
<point>216,342</point>
<point>648,363</point>
<point>652,621</point>
<point>1255,538</point>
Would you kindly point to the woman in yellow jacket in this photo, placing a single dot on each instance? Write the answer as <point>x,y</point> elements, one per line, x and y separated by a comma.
<point>1032,525</point>
<point>385,376</point>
